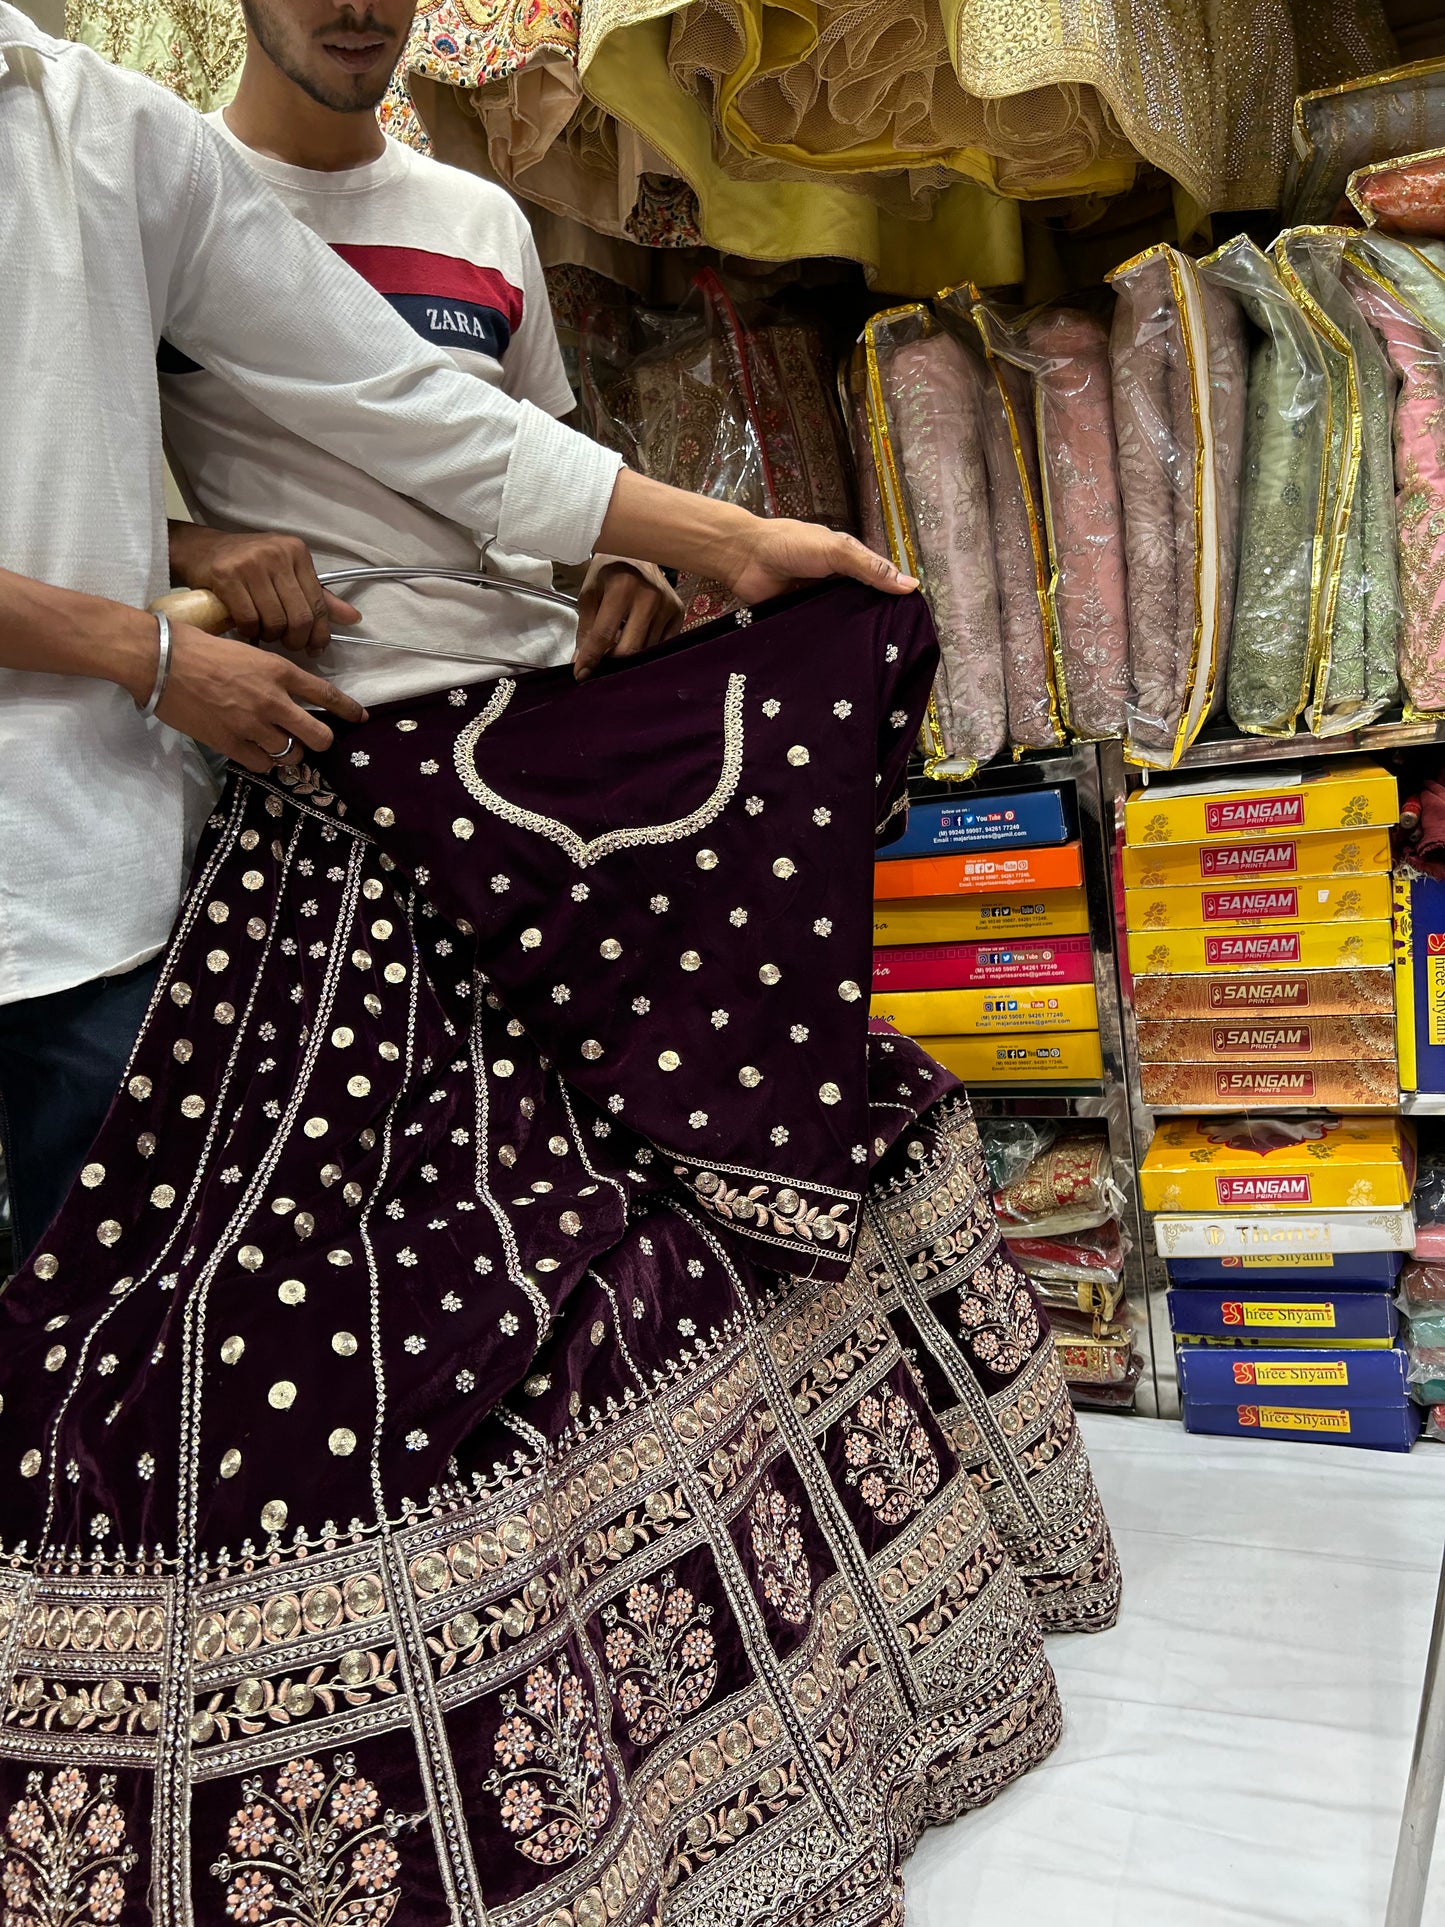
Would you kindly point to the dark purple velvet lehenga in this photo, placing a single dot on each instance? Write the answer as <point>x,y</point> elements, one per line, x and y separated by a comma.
<point>526,1417</point>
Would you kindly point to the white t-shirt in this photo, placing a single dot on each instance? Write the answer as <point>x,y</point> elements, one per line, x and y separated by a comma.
<point>454,256</point>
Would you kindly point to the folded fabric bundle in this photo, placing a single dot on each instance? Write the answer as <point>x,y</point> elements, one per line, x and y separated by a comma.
<point>1402,196</point>
<point>1412,340</point>
<point>1357,609</point>
<point>1179,372</point>
<point>926,394</point>
<point>1282,477</point>
<point>1068,1188</point>
<point>1065,353</point>
<point>1020,544</point>
<point>782,373</point>
<point>1340,129</point>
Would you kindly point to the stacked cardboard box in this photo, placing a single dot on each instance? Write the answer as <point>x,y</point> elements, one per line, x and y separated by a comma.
<point>982,940</point>
<point>1283,1238</point>
<point>1260,939</point>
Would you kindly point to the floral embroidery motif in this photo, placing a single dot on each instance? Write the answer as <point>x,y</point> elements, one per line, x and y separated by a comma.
<point>660,1657</point>
<point>890,1459</point>
<point>783,1568</point>
<point>997,1314</point>
<point>314,1852</point>
<point>786,1214</point>
<point>66,1853</point>
<point>550,1777</point>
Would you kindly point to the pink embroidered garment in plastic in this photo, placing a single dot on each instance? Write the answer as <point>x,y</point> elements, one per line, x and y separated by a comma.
<point>1403,197</point>
<point>1011,451</point>
<point>1416,357</point>
<point>1075,413</point>
<point>933,391</point>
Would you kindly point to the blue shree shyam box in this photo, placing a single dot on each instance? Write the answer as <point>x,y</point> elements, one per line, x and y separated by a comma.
<point>1276,1375</point>
<point>1020,819</point>
<point>1243,1314</point>
<point>1284,1272</point>
<point>1377,1428</point>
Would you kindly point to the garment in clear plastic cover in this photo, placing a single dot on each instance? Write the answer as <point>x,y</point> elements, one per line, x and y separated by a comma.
<point>1400,289</point>
<point>926,396</point>
<point>1020,544</point>
<point>1065,351</point>
<point>1405,195</point>
<point>853,392</point>
<point>1281,495</point>
<point>1357,607</point>
<point>1068,1187</point>
<point>675,412</point>
<point>1010,1145</point>
<point>1339,129</point>
<point>1177,349</point>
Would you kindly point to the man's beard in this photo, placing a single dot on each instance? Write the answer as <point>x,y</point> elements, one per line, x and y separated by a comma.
<point>348,94</point>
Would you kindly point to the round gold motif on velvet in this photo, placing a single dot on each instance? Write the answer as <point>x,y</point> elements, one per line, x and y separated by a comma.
<point>274,1515</point>
<point>281,1615</point>
<point>322,1608</point>
<point>291,1291</point>
<point>363,1596</point>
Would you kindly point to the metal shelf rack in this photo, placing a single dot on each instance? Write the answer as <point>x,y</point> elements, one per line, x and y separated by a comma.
<point>1096,774</point>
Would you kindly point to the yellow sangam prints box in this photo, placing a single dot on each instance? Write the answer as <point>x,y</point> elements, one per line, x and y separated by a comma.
<point>1245,906</point>
<point>1301,946</point>
<point>1344,795</point>
<point>1265,859</point>
<point>1319,1163</point>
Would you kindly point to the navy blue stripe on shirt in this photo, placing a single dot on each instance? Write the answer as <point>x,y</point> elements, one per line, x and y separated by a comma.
<point>448,322</point>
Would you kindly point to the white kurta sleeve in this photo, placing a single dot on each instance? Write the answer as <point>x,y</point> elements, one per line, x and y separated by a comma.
<point>257,299</point>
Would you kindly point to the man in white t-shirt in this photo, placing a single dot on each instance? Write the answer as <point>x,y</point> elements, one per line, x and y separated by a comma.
<point>454,256</point>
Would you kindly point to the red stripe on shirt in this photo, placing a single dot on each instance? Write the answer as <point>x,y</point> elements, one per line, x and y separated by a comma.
<point>444,276</point>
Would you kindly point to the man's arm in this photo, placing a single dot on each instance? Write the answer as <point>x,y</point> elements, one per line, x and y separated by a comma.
<point>239,700</point>
<point>264,304</point>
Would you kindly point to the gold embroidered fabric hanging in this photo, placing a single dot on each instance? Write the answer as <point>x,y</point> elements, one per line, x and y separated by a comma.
<point>194,47</point>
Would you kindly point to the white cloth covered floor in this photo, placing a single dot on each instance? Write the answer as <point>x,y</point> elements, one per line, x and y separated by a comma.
<point>1235,1751</point>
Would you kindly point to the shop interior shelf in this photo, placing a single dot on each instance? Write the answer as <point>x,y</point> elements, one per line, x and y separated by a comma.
<point>1227,746</point>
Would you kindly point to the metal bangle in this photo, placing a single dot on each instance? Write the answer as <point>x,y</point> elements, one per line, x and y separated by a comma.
<point>163,665</point>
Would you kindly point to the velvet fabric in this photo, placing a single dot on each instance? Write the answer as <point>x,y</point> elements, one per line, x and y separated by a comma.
<point>525,1416</point>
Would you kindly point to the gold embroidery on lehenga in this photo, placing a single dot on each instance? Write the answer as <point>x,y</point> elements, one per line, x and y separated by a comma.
<point>65,1853</point>
<point>316,1846</point>
<point>580,849</point>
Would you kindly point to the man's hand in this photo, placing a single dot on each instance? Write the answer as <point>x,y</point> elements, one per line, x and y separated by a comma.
<point>624,608</point>
<point>244,701</point>
<point>268,582</point>
<point>754,557</point>
<point>772,557</point>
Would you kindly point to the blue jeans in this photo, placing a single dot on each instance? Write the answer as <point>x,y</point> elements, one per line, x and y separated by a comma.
<point>61,1058</point>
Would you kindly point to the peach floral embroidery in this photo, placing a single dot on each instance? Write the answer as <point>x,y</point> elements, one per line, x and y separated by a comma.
<point>550,1776</point>
<point>890,1459</point>
<point>316,1851</point>
<point>783,1569</point>
<point>66,1853</point>
<point>660,1657</point>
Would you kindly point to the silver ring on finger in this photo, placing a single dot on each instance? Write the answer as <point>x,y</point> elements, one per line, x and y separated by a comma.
<point>280,755</point>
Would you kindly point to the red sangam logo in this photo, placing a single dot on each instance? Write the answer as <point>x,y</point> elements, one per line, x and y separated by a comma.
<point>1252,992</point>
<point>1279,1083</point>
<point>1279,947</point>
<point>1263,1190</point>
<point>1231,906</point>
<point>1262,1037</point>
<point>1255,813</point>
<point>1247,859</point>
